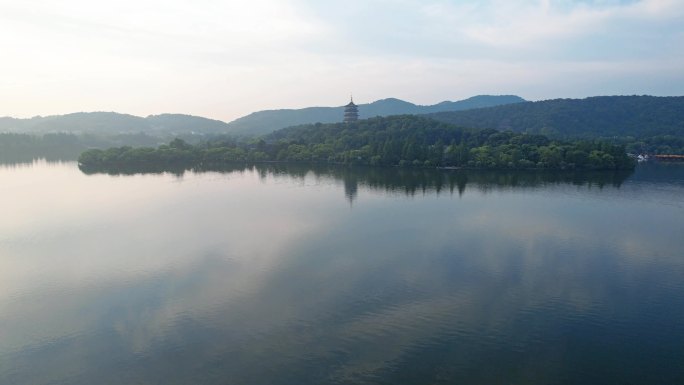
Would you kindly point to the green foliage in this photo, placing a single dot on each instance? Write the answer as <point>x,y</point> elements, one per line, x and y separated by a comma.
<point>406,141</point>
<point>660,144</point>
<point>590,118</point>
<point>265,122</point>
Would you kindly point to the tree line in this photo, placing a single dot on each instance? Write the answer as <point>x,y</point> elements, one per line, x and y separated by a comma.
<point>653,124</point>
<point>406,141</point>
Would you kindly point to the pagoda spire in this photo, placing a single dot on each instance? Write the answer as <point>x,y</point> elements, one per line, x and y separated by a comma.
<point>351,111</point>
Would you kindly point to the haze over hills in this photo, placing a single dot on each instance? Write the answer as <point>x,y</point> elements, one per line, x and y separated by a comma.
<point>113,123</point>
<point>604,116</point>
<point>601,116</point>
<point>264,122</point>
<point>257,123</point>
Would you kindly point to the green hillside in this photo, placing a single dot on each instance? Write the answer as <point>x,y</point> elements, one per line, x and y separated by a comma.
<point>405,141</point>
<point>264,122</point>
<point>602,116</point>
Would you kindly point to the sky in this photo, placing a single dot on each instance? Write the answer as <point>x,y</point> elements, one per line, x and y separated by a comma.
<point>226,59</point>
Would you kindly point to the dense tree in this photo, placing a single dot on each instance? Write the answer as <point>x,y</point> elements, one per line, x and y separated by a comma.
<point>591,118</point>
<point>407,141</point>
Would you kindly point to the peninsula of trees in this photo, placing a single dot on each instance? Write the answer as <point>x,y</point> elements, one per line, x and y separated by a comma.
<point>405,141</point>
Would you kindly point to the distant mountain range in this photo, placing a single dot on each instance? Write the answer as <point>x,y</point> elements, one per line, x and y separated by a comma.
<point>257,123</point>
<point>264,122</point>
<point>601,116</point>
<point>112,123</point>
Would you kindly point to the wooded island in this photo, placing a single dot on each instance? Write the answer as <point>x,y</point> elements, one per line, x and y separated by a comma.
<point>404,141</point>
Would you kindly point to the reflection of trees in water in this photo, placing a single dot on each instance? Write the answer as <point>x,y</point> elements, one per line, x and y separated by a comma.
<point>351,188</point>
<point>146,168</point>
<point>412,181</point>
<point>660,172</point>
<point>406,181</point>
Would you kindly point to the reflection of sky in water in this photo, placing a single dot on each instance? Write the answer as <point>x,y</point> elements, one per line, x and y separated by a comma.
<point>237,278</point>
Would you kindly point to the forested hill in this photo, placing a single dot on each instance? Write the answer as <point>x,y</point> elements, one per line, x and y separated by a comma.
<point>255,124</point>
<point>407,141</point>
<point>603,116</point>
<point>264,122</point>
<point>112,123</point>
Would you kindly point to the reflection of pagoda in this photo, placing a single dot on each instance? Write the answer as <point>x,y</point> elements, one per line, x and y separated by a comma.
<point>351,112</point>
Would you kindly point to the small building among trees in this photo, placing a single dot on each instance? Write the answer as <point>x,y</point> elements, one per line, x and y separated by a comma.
<point>351,112</point>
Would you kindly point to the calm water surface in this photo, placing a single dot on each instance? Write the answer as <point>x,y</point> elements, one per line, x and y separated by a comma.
<point>294,276</point>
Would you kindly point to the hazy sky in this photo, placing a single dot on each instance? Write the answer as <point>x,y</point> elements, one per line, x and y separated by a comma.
<point>224,59</point>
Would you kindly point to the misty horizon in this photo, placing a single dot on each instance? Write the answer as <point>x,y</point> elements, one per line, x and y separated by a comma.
<point>288,108</point>
<point>226,60</point>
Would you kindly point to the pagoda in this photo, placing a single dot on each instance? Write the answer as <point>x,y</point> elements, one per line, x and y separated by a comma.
<point>351,112</point>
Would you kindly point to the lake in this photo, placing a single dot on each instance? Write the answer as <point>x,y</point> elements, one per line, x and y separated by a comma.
<point>295,275</point>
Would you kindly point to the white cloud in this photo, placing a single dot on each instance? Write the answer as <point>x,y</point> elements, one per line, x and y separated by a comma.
<point>225,59</point>
<point>522,23</point>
